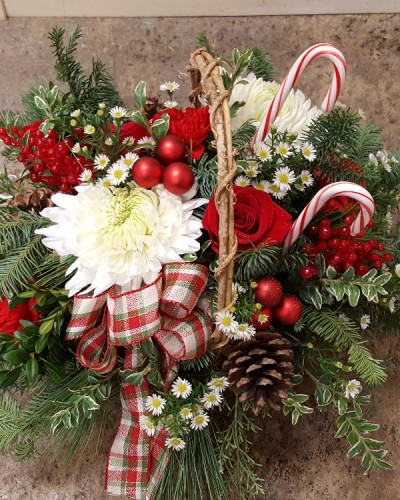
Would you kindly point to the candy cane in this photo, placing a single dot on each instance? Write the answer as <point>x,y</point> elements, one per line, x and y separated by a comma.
<point>348,189</point>
<point>320,50</point>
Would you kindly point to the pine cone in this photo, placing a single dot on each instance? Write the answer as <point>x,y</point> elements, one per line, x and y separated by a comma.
<point>259,368</point>
<point>32,199</point>
<point>152,107</point>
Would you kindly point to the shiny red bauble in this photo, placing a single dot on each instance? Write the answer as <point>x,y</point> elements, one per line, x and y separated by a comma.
<point>170,148</point>
<point>289,311</point>
<point>269,292</point>
<point>262,319</point>
<point>178,178</point>
<point>147,172</point>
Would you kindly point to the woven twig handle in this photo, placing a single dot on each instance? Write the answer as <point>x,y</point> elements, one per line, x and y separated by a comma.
<point>207,82</point>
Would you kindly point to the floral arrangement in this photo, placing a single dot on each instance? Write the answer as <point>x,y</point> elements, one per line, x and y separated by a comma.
<point>113,242</point>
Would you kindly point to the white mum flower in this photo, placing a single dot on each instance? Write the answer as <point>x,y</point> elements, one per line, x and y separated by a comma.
<point>147,425</point>
<point>211,399</point>
<point>295,115</point>
<point>170,104</point>
<point>169,86</point>
<point>226,322</point>
<point>86,175</point>
<point>101,161</point>
<point>353,389</point>
<point>283,177</point>
<point>263,152</point>
<point>76,148</point>
<point>117,173</point>
<point>365,321</point>
<point>120,236</point>
<point>176,443</point>
<point>89,129</point>
<point>117,112</point>
<point>306,178</point>
<point>242,180</point>
<point>262,185</point>
<point>397,270</point>
<point>155,404</point>
<point>199,421</point>
<point>186,413</point>
<point>129,159</point>
<point>181,388</point>
<point>218,384</point>
<point>308,151</point>
<point>76,113</point>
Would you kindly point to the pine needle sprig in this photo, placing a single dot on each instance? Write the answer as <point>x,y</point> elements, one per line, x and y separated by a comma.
<point>367,140</point>
<point>206,174</point>
<point>243,137</point>
<point>261,65</point>
<point>203,41</point>
<point>51,272</point>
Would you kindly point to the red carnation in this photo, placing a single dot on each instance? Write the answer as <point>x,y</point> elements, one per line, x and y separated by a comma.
<point>192,125</point>
<point>258,219</point>
<point>130,129</point>
<point>9,318</point>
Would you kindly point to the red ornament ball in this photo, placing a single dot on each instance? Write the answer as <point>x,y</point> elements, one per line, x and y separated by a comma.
<point>170,148</point>
<point>262,319</point>
<point>178,178</point>
<point>269,292</point>
<point>289,311</point>
<point>147,172</point>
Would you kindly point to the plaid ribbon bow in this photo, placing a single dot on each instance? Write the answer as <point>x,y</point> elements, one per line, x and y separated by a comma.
<point>166,311</point>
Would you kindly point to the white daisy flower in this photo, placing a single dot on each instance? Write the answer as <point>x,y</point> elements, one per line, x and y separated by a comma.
<point>102,105</point>
<point>329,299</point>
<point>392,305</point>
<point>86,175</point>
<point>218,384</point>
<point>108,141</point>
<point>147,425</point>
<point>397,270</point>
<point>277,192</point>
<point>252,169</point>
<point>306,178</point>
<point>104,183</point>
<point>365,321</point>
<point>117,173</point>
<point>262,185</point>
<point>76,148</point>
<point>263,152</point>
<point>76,113</point>
<point>169,86</point>
<point>262,318</point>
<point>353,389</point>
<point>129,159</point>
<point>147,141</point>
<point>186,413</point>
<point>245,331</point>
<point>211,399</point>
<point>155,404</point>
<point>298,327</point>
<point>242,180</point>
<point>373,159</point>
<point>117,112</point>
<point>89,130</point>
<point>129,141</point>
<point>176,443</point>
<point>283,150</point>
<point>299,186</point>
<point>383,157</point>
<point>170,104</point>
<point>283,177</point>
<point>237,289</point>
<point>226,322</point>
<point>181,388</point>
<point>199,421</point>
<point>101,161</point>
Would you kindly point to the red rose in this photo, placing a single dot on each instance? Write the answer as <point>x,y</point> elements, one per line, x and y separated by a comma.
<point>258,219</point>
<point>192,125</point>
<point>9,319</point>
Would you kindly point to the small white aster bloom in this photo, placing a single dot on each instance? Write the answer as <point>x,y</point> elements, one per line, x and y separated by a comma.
<point>237,289</point>
<point>392,305</point>
<point>308,151</point>
<point>186,413</point>
<point>389,217</point>
<point>252,169</point>
<point>299,326</point>
<point>384,268</point>
<point>147,425</point>
<point>393,160</point>
<point>76,113</point>
<point>199,421</point>
<point>353,389</point>
<point>277,192</point>
<point>211,399</point>
<point>218,384</point>
<point>102,105</point>
<point>262,318</point>
<point>86,175</point>
<point>85,149</point>
<point>170,104</point>
<point>117,112</point>
<point>129,141</point>
<point>373,159</point>
<point>365,321</point>
<point>89,129</point>
<point>283,150</point>
<point>329,299</point>
<point>262,185</point>
<point>397,270</point>
<point>245,331</point>
<point>226,322</point>
<point>299,186</point>
<point>343,316</point>
<point>176,443</point>
<point>242,181</point>
<point>169,86</point>
<point>155,403</point>
<point>108,141</point>
<point>283,177</point>
<point>117,173</point>
<point>129,159</point>
<point>181,388</point>
<point>362,114</point>
<point>147,141</point>
<point>104,183</point>
<point>341,105</point>
<point>101,161</point>
<point>76,148</point>
<point>306,178</point>
<point>263,152</point>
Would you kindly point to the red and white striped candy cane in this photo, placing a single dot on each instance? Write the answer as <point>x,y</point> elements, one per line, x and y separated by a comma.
<point>348,189</point>
<point>320,50</point>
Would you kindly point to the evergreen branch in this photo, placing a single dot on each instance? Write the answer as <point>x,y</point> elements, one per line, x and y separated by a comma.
<point>198,364</point>
<point>32,112</point>
<point>243,137</point>
<point>367,140</point>
<point>206,171</point>
<point>203,41</point>
<point>261,65</point>
<point>10,420</point>
<point>10,118</point>
<point>17,228</point>
<point>51,272</point>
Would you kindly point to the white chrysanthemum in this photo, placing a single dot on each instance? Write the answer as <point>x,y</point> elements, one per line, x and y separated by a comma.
<point>120,237</point>
<point>199,421</point>
<point>155,404</point>
<point>262,185</point>
<point>76,148</point>
<point>147,425</point>
<point>308,151</point>
<point>89,129</point>
<point>218,384</point>
<point>170,104</point>
<point>169,86</point>
<point>242,181</point>
<point>117,112</point>
<point>147,141</point>
<point>211,399</point>
<point>365,321</point>
<point>263,152</point>
<point>86,176</point>
<point>118,173</point>
<point>101,161</point>
<point>176,443</point>
<point>129,159</point>
<point>283,177</point>
<point>296,113</point>
<point>181,388</point>
<point>306,178</point>
<point>186,413</point>
<point>353,389</point>
<point>226,322</point>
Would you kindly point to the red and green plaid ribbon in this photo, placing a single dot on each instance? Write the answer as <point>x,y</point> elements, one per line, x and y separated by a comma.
<point>166,311</point>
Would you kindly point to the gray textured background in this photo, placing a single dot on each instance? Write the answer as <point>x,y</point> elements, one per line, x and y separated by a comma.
<point>304,462</point>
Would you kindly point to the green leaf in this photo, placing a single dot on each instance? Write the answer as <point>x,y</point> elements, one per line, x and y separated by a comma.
<point>54,370</point>
<point>67,421</point>
<point>382,279</point>
<point>382,464</point>
<point>315,296</point>
<point>343,429</point>
<point>295,416</point>
<point>321,265</point>
<point>40,103</point>
<point>6,337</point>
<point>131,377</point>
<point>337,290</point>
<point>364,427</point>
<point>9,377</point>
<point>89,405</point>
<point>32,370</point>
<point>46,327</point>
<point>16,357</point>
<point>160,127</point>
<point>46,126</point>
<point>137,117</point>
<point>322,396</point>
<point>357,409</point>
<point>234,109</point>
<point>140,94</point>
<point>367,278</point>
<point>41,343</point>
<point>342,406</point>
<point>353,293</point>
<point>349,274</point>
<point>355,450</point>
<point>353,438</point>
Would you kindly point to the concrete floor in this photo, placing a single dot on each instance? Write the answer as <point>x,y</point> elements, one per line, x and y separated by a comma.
<point>301,463</point>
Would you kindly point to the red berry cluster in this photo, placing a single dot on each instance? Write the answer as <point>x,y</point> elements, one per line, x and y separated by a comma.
<point>341,250</point>
<point>48,159</point>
